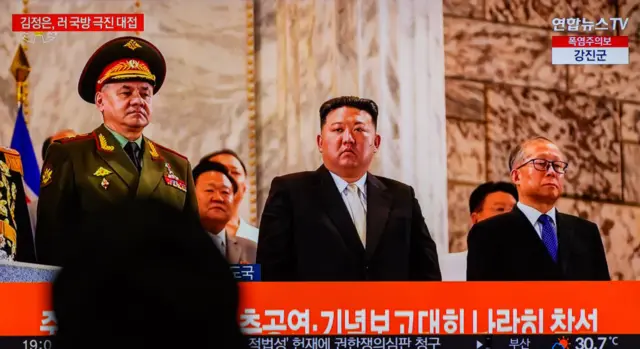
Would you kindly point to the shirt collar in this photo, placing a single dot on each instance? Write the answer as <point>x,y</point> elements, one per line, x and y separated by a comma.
<point>221,236</point>
<point>342,184</point>
<point>242,224</point>
<point>532,214</point>
<point>122,140</point>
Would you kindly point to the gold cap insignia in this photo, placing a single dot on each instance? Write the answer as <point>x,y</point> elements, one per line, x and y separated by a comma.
<point>47,173</point>
<point>132,45</point>
<point>126,69</point>
<point>101,172</point>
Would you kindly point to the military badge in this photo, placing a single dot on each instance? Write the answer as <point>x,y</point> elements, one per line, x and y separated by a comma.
<point>104,183</point>
<point>101,172</point>
<point>171,179</point>
<point>169,170</point>
<point>176,183</point>
<point>47,173</point>
<point>132,45</point>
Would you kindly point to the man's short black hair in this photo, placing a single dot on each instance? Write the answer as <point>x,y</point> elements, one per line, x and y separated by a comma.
<point>225,151</point>
<point>45,145</point>
<point>208,166</point>
<point>349,101</point>
<point>476,200</point>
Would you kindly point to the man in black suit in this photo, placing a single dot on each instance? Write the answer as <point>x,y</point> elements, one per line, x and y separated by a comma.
<point>535,242</point>
<point>341,223</point>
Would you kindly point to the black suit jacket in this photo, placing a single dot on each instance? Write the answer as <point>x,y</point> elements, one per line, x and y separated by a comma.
<point>508,248</point>
<point>307,234</point>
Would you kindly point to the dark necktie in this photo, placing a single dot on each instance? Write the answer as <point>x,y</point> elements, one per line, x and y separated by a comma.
<point>133,151</point>
<point>549,236</point>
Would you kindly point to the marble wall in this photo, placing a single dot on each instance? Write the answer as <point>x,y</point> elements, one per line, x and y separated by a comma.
<point>501,89</point>
<point>255,84</point>
<point>203,103</point>
<point>388,50</point>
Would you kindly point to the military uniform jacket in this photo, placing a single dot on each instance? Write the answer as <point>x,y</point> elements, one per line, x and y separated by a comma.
<point>87,179</point>
<point>16,238</point>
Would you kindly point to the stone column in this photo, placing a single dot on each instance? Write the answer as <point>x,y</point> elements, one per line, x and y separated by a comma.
<point>388,50</point>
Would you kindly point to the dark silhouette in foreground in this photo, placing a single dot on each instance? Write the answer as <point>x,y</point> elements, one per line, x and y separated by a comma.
<point>159,282</point>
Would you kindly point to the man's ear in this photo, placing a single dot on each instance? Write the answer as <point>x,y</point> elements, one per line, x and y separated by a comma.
<point>376,142</point>
<point>474,218</point>
<point>99,99</point>
<point>515,177</point>
<point>319,142</point>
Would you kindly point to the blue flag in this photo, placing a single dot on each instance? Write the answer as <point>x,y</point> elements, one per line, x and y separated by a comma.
<point>21,142</point>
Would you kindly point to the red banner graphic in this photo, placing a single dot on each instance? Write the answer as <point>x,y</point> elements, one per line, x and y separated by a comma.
<point>392,308</point>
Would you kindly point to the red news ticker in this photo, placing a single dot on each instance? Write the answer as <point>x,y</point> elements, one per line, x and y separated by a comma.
<point>39,22</point>
<point>589,41</point>
<point>392,308</point>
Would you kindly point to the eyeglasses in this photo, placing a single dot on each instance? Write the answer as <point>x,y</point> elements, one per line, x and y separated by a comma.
<point>543,165</point>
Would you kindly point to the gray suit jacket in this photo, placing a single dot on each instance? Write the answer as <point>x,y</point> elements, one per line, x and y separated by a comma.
<point>241,250</point>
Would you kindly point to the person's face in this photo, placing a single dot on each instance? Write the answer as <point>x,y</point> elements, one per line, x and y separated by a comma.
<point>126,105</point>
<point>214,192</point>
<point>348,140</point>
<point>494,204</point>
<point>536,177</point>
<point>235,169</point>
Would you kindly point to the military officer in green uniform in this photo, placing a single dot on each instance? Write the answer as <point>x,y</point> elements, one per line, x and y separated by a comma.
<point>86,176</point>
<point>118,212</point>
<point>16,237</point>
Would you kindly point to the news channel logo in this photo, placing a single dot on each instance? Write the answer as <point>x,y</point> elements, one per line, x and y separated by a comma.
<point>562,343</point>
<point>38,37</point>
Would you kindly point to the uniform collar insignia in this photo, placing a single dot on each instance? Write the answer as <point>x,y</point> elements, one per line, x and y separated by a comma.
<point>153,151</point>
<point>101,172</point>
<point>103,144</point>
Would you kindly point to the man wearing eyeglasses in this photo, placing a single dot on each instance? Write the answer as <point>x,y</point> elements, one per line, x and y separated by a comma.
<point>535,242</point>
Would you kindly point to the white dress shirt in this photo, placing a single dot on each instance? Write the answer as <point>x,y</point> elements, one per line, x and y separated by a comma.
<point>361,183</point>
<point>532,215</point>
<point>453,266</point>
<point>220,240</point>
<point>247,231</point>
<point>355,199</point>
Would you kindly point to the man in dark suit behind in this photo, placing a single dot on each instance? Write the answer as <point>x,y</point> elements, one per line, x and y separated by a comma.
<point>341,223</point>
<point>216,190</point>
<point>535,242</point>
